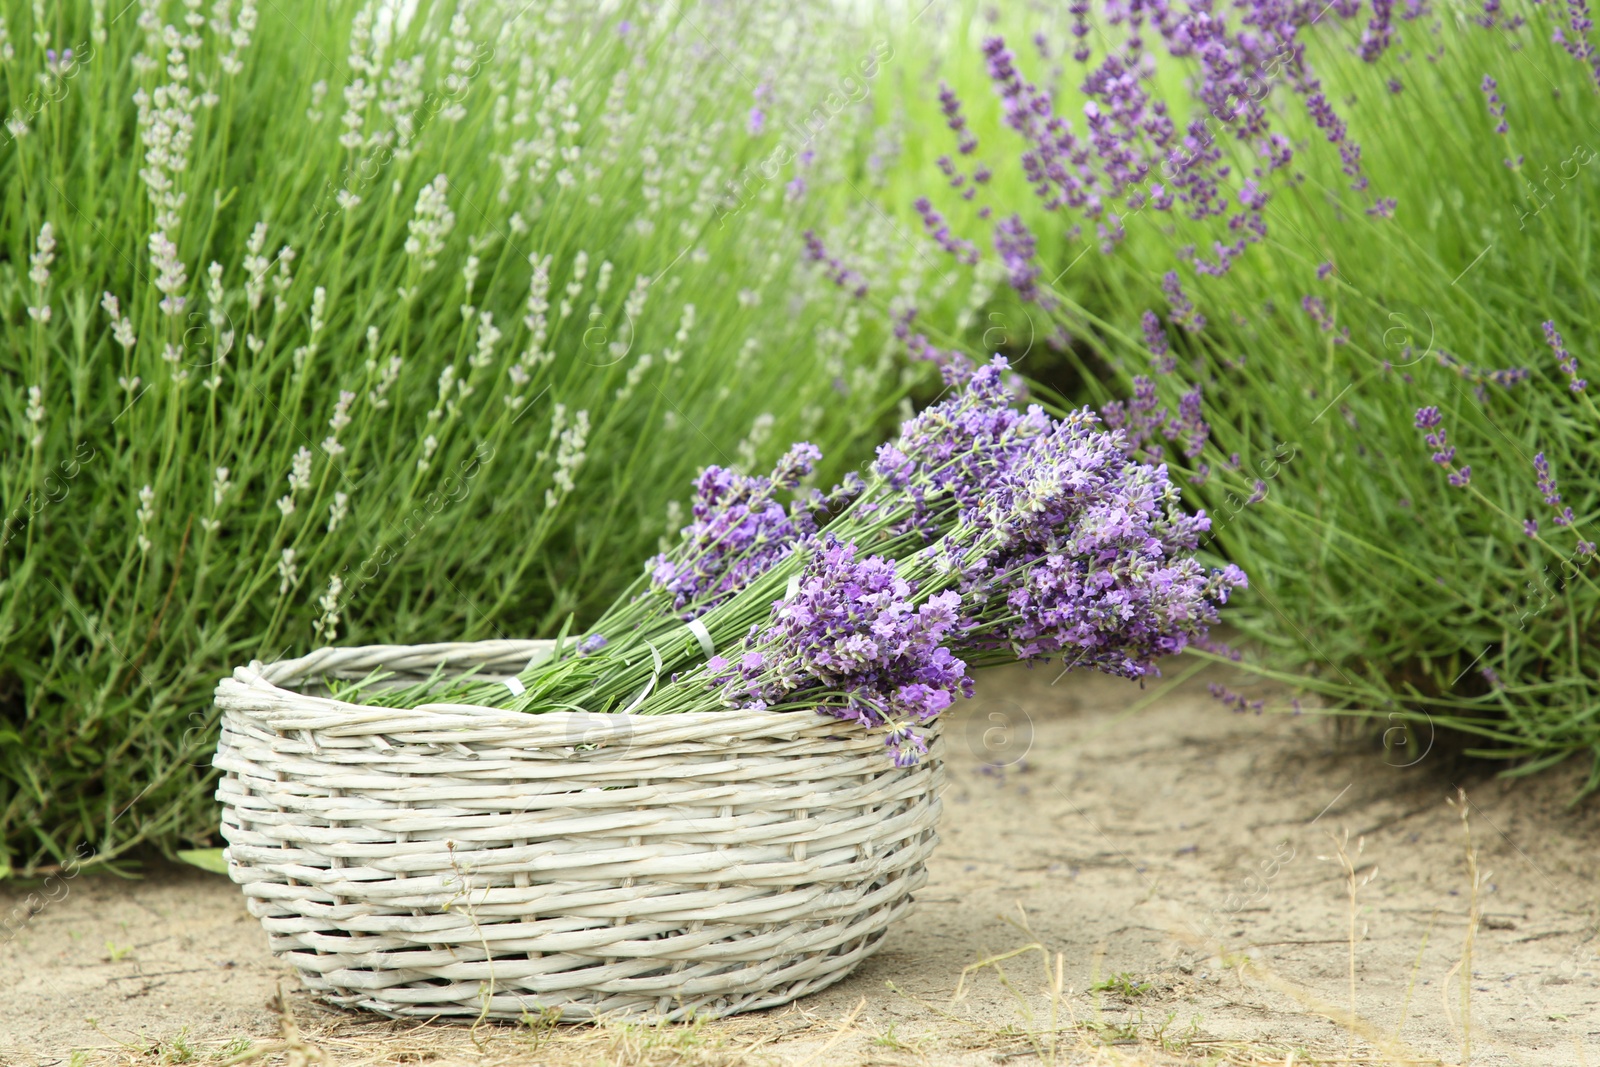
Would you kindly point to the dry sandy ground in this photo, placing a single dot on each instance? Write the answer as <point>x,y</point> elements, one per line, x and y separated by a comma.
<point>1182,858</point>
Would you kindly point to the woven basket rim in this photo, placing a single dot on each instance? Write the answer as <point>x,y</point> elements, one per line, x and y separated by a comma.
<point>265,691</point>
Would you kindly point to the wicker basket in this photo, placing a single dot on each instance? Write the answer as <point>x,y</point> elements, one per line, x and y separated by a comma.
<point>462,860</point>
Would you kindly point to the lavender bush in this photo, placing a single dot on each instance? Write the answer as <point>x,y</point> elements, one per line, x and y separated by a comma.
<point>375,322</point>
<point>1332,262</point>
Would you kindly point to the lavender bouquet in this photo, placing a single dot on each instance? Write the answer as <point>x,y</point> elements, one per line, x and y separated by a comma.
<point>981,534</point>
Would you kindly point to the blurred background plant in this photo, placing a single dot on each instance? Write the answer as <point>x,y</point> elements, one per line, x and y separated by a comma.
<point>382,323</point>
<point>1262,237</point>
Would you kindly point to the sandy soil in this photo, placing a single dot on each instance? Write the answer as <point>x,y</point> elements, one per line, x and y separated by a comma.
<point>1183,859</point>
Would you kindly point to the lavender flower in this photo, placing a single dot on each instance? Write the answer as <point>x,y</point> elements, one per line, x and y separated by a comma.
<point>1155,339</point>
<point>1497,110</point>
<point>1015,244</point>
<point>854,638</point>
<point>1547,483</point>
<point>933,222</point>
<point>950,105</point>
<point>740,531</point>
<point>950,451</point>
<point>1183,309</point>
<point>834,268</point>
<point>1567,361</point>
<point>1234,701</point>
<point>1444,454</point>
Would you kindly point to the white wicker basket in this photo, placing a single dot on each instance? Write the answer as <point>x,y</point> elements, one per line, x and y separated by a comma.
<point>459,860</point>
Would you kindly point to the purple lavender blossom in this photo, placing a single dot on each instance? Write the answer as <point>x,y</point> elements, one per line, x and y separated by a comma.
<point>1547,482</point>
<point>1444,453</point>
<point>1318,310</point>
<point>1504,377</point>
<point>1155,339</point>
<point>834,268</point>
<point>591,644</point>
<point>951,449</point>
<point>1234,701</point>
<point>950,105</point>
<point>1530,527</point>
<point>1016,245</point>
<point>1094,560</point>
<point>1375,38</point>
<point>1183,310</point>
<point>854,638</point>
<point>1567,361</point>
<point>740,530</point>
<point>1497,109</point>
<point>964,251</point>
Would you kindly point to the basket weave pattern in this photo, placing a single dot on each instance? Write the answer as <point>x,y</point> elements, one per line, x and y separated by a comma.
<point>462,860</point>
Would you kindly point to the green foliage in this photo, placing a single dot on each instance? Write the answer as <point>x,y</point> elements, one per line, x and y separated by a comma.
<point>347,329</point>
<point>1375,584</point>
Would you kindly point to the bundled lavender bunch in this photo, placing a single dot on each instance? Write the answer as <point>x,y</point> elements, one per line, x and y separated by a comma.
<point>854,640</point>
<point>994,535</point>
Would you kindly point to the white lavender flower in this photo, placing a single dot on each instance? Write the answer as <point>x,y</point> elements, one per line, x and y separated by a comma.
<point>431,222</point>
<point>538,304</point>
<point>327,626</point>
<point>216,296</point>
<point>171,276</point>
<point>760,432</point>
<point>319,92</point>
<point>685,324</point>
<point>636,374</point>
<point>569,457</point>
<point>340,419</point>
<point>459,45</point>
<point>282,280</point>
<point>447,382</point>
<point>338,510</point>
<point>39,272</point>
<point>300,470</point>
<point>145,512</point>
<point>319,304</point>
<point>256,266</point>
<point>172,356</point>
<point>357,96</point>
<point>387,376</point>
<point>488,335</point>
<point>220,484</point>
<point>35,414</point>
<point>288,572</point>
<point>402,95</point>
